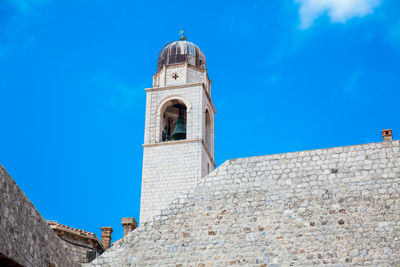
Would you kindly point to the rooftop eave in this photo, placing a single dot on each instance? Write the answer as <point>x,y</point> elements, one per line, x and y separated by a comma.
<point>77,234</point>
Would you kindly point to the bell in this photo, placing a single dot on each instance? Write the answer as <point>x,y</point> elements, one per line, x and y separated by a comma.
<point>180,130</point>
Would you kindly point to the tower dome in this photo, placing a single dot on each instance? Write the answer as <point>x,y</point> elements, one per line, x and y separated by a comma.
<point>180,52</point>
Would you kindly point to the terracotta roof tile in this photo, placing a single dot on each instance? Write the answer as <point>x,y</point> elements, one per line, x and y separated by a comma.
<point>70,228</point>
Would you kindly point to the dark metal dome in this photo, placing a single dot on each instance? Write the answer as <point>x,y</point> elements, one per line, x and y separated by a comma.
<point>180,52</point>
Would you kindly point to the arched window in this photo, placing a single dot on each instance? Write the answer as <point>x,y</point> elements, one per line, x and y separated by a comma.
<point>173,121</point>
<point>209,131</point>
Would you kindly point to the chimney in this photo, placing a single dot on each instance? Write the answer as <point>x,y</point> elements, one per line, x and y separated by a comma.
<point>387,135</point>
<point>106,236</point>
<point>129,224</point>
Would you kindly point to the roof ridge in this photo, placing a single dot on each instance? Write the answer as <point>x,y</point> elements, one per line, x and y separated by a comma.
<point>50,222</point>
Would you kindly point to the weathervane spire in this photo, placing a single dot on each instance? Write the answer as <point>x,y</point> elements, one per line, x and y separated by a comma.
<point>182,34</point>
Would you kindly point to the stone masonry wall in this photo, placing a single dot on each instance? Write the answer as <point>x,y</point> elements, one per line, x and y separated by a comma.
<point>179,70</point>
<point>25,236</point>
<point>185,74</point>
<point>79,249</point>
<point>338,206</point>
<point>169,171</point>
<point>195,76</point>
<point>207,165</point>
<point>207,106</point>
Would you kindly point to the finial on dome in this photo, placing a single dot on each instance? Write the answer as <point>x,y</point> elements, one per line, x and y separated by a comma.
<point>182,34</point>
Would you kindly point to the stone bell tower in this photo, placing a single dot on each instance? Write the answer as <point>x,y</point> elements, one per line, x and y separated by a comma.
<point>178,147</point>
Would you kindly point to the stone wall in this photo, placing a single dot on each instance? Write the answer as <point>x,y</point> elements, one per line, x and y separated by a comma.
<point>185,73</point>
<point>84,246</point>
<point>169,170</point>
<point>207,165</point>
<point>79,249</point>
<point>337,206</point>
<point>208,133</point>
<point>194,75</point>
<point>25,236</point>
<point>171,78</point>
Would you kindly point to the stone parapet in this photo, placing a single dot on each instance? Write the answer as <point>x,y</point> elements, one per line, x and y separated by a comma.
<point>25,237</point>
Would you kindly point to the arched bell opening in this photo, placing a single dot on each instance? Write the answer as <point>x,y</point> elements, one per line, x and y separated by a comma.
<point>209,131</point>
<point>173,121</point>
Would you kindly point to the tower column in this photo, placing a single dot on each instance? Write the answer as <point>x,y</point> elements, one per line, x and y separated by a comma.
<point>179,135</point>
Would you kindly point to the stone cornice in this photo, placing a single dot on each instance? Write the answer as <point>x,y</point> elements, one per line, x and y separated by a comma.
<point>172,87</point>
<point>172,143</point>
<point>182,65</point>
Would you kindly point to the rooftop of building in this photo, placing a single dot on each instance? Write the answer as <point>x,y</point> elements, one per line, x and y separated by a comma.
<point>181,51</point>
<point>76,233</point>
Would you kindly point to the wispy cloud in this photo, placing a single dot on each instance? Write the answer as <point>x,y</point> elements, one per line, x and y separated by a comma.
<point>352,82</point>
<point>337,10</point>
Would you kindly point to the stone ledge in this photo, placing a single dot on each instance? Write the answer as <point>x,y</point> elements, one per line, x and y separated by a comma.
<point>184,142</point>
<point>172,87</point>
<point>173,142</point>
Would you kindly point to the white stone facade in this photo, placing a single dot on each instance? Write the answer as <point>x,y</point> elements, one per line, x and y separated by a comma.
<point>172,168</point>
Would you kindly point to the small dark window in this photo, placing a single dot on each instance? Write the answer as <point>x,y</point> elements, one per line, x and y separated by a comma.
<point>90,255</point>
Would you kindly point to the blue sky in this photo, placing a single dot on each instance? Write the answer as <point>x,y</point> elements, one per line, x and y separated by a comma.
<point>288,75</point>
